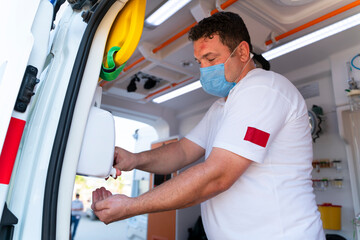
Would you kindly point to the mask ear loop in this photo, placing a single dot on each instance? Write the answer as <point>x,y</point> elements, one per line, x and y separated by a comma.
<point>232,53</point>
<point>251,56</point>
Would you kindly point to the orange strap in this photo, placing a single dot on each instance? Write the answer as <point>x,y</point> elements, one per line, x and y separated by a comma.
<point>318,20</point>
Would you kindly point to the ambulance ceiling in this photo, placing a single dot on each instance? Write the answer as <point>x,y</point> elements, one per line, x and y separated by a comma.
<point>172,66</point>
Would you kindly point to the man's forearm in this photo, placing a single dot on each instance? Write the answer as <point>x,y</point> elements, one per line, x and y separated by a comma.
<point>169,158</point>
<point>162,160</point>
<point>191,187</point>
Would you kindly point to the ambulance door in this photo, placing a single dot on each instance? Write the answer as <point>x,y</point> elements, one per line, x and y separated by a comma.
<point>38,195</point>
<point>23,50</point>
<point>32,191</point>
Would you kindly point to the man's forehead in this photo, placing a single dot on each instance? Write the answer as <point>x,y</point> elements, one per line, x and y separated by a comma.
<point>202,45</point>
<point>207,45</point>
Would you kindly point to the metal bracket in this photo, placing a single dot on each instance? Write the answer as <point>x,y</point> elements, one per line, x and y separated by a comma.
<point>27,89</point>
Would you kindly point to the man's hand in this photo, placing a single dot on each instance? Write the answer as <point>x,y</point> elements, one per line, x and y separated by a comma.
<point>109,208</point>
<point>123,160</point>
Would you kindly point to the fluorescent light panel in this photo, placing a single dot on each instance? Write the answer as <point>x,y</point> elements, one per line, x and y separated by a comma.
<point>313,37</point>
<point>180,91</point>
<point>165,11</point>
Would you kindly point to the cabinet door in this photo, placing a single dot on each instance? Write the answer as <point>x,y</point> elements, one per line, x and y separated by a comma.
<point>162,225</point>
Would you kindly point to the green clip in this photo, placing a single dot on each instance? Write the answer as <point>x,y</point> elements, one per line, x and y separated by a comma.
<point>111,73</point>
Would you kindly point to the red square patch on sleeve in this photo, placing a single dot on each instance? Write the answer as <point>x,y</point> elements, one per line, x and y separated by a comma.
<point>257,136</point>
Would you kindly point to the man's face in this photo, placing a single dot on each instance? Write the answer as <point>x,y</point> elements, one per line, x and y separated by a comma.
<point>211,51</point>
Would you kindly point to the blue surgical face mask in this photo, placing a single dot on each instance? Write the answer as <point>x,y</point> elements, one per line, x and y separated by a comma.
<point>213,79</point>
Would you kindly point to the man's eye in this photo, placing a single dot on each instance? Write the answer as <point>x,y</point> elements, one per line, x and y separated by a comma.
<point>211,59</point>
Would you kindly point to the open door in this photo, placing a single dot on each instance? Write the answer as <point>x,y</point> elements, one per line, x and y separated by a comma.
<point>162,225</point>
<point>41,183</point>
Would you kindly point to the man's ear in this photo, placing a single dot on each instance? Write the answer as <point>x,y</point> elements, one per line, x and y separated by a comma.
<point>244,51</point>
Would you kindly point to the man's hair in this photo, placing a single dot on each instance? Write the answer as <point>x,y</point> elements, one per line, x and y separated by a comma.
<point>229,26</point>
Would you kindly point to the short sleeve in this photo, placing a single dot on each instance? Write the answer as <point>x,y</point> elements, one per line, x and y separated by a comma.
<point>252,118</point>
<point>199,134</point>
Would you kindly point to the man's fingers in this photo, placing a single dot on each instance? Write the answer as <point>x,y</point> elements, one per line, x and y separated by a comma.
<point>100,205</point>
<point>118,172</point>
<point>116,152</point>
<point>99,195</point>
<point>109,194</point>
<point>95,196</point>
<point>104,193</point>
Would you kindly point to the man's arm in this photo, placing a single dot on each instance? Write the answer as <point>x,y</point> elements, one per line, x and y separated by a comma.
<point>195,185</point>
<point>163,160</point>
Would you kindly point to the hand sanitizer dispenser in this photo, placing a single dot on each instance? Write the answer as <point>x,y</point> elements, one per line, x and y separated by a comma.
<point>97,153</point>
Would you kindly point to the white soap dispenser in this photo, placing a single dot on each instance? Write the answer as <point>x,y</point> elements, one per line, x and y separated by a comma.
<point>97,152</point>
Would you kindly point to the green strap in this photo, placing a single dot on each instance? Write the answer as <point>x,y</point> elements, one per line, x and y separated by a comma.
<point>111,73</point>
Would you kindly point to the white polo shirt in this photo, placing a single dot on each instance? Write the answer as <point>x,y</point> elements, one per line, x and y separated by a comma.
<point>265,120</point>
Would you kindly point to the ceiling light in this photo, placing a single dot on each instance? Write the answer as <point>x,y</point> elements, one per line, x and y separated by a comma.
<point>313,37</point>
<point>292,2</point>
<point>164,12</point>
<point>188,88</point>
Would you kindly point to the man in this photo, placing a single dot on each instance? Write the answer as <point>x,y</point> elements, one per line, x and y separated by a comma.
<point>76,212</point>
<point>256,180</point>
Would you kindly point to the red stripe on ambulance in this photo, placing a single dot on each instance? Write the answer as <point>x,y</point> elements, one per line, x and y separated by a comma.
<point>10,149</point>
